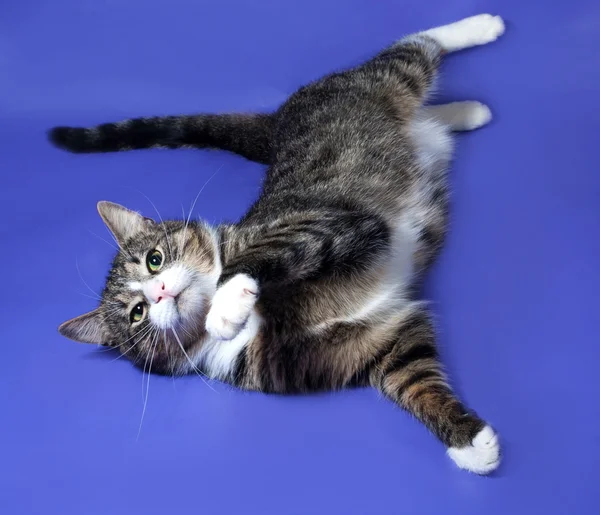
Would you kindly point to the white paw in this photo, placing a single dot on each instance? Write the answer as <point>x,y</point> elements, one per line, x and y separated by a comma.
<point>482,456</point>
<point>473,115</point>
<point>461,116</point>
<point>473,31</point>
<point>231,306</point>
<point>482,29</point>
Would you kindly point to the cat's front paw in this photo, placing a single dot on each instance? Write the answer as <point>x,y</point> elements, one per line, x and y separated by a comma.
<point>231,306</point>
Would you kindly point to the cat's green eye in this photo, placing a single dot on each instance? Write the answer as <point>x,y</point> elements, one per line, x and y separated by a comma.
<point>154,260</point>
<point>137,313</point>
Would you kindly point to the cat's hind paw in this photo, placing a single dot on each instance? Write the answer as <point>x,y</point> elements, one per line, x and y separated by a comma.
<point>482,28</point>
<point>468,32</point>
<point>482,456</point>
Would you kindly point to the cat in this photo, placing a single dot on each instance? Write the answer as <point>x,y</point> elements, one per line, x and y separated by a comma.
<point>314,288</point>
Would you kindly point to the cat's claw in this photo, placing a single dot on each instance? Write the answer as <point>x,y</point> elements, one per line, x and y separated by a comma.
<point>231,306</point>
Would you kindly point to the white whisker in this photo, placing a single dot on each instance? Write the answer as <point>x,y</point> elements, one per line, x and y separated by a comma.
<point>192,209</point>
<point>142,333</point>
<point>161,221</point>
<point>155,343</point>
<point>143,372</point>
<point>172,362</point>
<point>86,284</point>
<point>88,296</point>
<point>187,333</point>
<point>194,367</point>
<point>113,237</point>
<point>182,240</point>
<point>105,241</point>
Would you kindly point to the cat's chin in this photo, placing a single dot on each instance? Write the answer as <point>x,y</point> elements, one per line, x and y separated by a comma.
<point>165,314</point>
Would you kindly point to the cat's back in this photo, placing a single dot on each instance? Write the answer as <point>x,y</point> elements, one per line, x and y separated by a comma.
<point>344,107</point>
<point>337,142</point>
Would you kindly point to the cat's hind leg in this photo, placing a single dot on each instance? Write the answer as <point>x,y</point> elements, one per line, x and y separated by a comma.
<point>468,32</point>
<point>411,375</point>
<point>459,116</point>
<point>408,68</point>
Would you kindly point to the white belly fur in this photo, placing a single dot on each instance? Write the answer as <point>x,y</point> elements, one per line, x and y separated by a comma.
<point>391,294</point>
<point>433,144</point>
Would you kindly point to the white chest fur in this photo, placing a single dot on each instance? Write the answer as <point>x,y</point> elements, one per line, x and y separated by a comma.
<point>218,357</point>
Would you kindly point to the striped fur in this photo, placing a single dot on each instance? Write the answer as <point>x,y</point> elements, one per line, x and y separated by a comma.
<point>225,131</point>
<point>313,289</point>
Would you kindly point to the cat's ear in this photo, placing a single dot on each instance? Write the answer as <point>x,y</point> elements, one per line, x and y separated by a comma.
<point>87,328</point>
<point>122,222</point>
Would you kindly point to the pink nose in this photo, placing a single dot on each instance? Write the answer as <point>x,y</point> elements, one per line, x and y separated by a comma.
<point>157,292</point>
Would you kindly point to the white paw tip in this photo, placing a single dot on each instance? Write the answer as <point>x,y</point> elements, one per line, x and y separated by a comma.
<point>231,306</point>
<point>241,283</point>
<point>495,25</point>
<point>482,456</point>
<point>478,115</point>
<point>486,27</point>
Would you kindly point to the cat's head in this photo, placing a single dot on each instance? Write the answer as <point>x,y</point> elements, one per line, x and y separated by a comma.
<point>157,294</point>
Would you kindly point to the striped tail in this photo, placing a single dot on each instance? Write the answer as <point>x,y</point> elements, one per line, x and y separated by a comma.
<point>246,135</point>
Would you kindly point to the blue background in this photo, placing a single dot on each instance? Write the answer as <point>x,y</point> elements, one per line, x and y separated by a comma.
<point>515,292</point>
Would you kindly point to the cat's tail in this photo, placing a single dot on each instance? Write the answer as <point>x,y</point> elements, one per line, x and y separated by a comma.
<point>246,134</point>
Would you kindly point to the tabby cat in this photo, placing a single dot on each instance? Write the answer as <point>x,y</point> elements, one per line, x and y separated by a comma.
<point>314,288</point>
